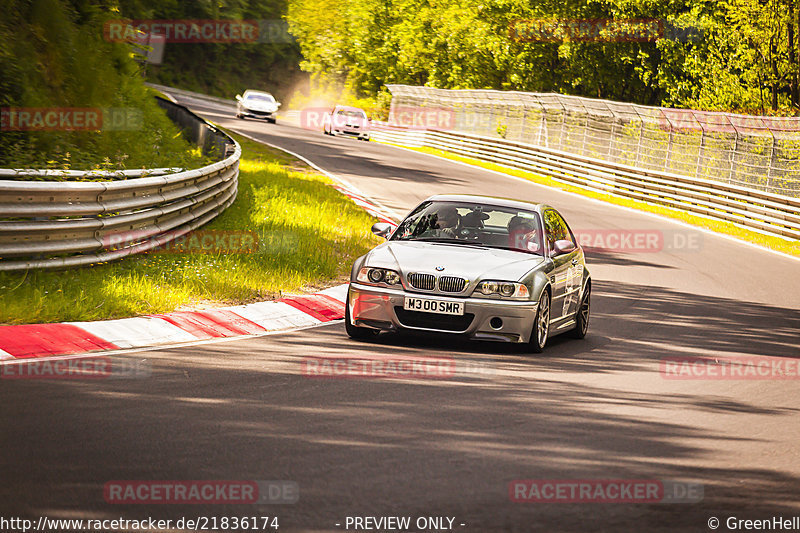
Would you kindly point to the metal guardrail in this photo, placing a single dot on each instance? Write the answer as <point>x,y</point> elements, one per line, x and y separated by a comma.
<point>757,152</point>
<point>191,94</point>
<point>761,211</point>
<point>56,224</point>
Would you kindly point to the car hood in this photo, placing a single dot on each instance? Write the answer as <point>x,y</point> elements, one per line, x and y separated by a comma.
<point>471,262</point>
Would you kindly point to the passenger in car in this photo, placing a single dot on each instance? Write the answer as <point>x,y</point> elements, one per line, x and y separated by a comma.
<point>474,219</point>
<point>522,234</point>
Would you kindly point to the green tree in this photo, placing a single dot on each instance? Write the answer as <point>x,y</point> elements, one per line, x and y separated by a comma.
<point>732,54</point>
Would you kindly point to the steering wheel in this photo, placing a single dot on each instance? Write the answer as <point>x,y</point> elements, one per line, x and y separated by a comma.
<point>468,233</point>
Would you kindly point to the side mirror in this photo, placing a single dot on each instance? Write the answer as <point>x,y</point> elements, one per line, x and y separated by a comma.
<point>563,247</point>
<point>382,229</point>
<point>238,97</point>
<point>278,104</point>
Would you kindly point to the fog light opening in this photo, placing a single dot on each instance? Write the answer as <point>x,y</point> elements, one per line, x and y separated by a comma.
<point>496,323</point>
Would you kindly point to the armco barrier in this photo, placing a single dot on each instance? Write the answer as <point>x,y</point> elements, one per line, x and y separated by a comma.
<point>752,151</point>
<point>190,94</point>
<point>735,200</point>
<point>765,212</point>
<point>56,224</point>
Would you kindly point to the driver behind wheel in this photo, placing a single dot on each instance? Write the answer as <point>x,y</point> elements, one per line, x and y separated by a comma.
<point>522,234</point>
<point>447,220</point>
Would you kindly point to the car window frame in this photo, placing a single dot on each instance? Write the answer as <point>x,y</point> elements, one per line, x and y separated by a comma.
<point>537,218</point>
<point>562,220</point>
<point>343,110</point>
<point>248,94</point>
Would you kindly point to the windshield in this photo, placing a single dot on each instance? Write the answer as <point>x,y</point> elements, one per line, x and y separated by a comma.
<point>259,97</point>
<point>473,224</point>
<point>350,113</point>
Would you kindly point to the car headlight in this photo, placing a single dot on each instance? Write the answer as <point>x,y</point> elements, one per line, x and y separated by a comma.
<point>378,275</point>
<point>506,289</point>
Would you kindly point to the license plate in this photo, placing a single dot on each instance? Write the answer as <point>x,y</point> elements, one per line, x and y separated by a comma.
<point>434,306</point>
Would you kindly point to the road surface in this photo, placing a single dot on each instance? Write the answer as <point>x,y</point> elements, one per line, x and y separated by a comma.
<point>598,409</point>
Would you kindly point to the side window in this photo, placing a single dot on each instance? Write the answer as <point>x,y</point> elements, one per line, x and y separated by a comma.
<point>565,232</point>
<point>557,229</point>
<point>551,227</point>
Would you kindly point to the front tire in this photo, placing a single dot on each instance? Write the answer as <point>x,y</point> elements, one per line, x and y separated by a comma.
<point>582,315</point>
<point>541,324</point>
<point>355,332</point>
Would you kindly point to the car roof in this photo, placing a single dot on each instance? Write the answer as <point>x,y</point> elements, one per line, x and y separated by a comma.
<point>500,202</point>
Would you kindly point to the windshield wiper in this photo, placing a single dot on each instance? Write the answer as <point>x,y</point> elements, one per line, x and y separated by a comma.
<point>513,249</point>
<point>446,240</point>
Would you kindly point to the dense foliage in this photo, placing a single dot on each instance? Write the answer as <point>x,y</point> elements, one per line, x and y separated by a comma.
<point>222,69</point>
<point>711,54</point>
<point>738,55</point>
<point>54,55</point>
<point>51,56</point>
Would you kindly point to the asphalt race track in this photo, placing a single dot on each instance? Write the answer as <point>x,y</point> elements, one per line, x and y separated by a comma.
<point>597,409</point>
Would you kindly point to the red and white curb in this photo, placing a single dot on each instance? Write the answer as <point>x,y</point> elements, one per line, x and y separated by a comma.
<point>70,338</point>
<point>289,313</point>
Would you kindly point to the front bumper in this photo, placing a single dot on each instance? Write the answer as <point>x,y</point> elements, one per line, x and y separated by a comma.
<point>351,132</point>
<point>266,115</point>
<point>382,308</point>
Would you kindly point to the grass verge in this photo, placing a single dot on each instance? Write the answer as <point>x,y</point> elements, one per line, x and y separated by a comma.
<point>773,243</point>
<point>308,236</point>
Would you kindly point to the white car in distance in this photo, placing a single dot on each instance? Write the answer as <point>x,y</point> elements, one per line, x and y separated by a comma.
<point>257,104</point>
<point>347,120</point>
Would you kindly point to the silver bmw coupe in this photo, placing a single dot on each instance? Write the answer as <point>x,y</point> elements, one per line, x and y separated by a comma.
<point>480,267</point>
